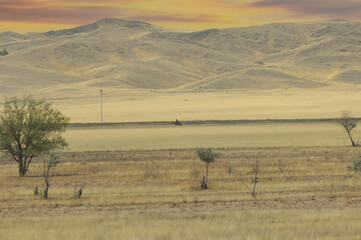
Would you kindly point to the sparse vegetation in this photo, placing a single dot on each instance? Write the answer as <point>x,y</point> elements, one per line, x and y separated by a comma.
<point>284,169</point>
<point>36,190</point>
<point>255,180</point>
<point>29,128</point>
<point>150,171</point>
<point>207,156</point>
<point>281,167</point>
<point>320,202</point>
<point>195,173</point>
<point>78,189</point>
<point>355,165</point>
<point>4,52</point>
<point>349,124</point>
<point>229,170</point>
<point>48,166</point>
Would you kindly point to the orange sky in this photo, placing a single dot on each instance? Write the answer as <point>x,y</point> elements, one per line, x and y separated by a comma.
<point>45,15</point>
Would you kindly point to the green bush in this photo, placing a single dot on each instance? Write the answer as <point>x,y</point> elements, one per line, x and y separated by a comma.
<point>3,52</point>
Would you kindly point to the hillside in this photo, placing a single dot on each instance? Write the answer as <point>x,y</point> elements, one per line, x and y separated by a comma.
<point>129,54</point>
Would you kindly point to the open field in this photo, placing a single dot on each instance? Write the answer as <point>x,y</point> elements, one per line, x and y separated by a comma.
<point>129,105</point>
<point>150,137</point>
<point>143,180</point>
<point>304,193</point>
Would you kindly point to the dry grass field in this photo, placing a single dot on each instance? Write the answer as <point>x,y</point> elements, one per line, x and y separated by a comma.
<point>143,181</point>
<point>304,193</point>
<point>148,137</point>
<point>124,105</point>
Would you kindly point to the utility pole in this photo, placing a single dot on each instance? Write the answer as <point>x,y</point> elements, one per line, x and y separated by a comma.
<point>101,104</point>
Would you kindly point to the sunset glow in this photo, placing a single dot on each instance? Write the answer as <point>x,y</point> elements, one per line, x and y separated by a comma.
<point>44,15</point>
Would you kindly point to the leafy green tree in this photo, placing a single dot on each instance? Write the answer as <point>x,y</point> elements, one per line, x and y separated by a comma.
<point>207,156</point>
<point>29,128</point>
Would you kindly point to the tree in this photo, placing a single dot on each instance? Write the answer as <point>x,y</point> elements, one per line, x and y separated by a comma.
<point>29,128</point>
<point>48,171</point>
<point>349,124</point>
<point>207,156</point>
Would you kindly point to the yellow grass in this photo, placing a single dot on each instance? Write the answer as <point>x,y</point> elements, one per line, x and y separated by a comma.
<point>304,193</point>
<point>143,181</point>
<point>240,135</point>
<point>249,224</point>
<point>140,105</point>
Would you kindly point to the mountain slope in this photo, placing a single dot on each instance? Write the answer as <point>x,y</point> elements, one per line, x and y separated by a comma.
<point>119,53</point>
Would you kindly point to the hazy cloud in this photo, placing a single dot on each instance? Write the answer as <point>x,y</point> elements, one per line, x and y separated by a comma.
<point>50,12</point>
<point>15,3</point>
<point>61,15</point>
<point>347,9</point>
<point>177,18</point>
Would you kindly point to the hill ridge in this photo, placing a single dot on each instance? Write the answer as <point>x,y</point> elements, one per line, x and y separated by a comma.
<point>133,54</point>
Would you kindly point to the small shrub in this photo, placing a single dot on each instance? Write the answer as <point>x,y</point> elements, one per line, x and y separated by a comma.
<point>229,170</point>
<point>255,180</point>
<point>3,52</point>
<point>78,189</point>
<point>281,167</point>
<point>36,190</point>
<point>150,171</point>
<point>355,165</point>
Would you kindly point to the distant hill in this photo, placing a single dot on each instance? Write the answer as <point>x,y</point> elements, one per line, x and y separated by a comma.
<point>132,54</point>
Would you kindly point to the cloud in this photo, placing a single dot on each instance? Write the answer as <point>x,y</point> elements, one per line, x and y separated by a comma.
<point>15,3</point>
<point>60,11</point>
<point>60,15</point>
<point>201,18</point>
<point>56,12</point>
<point>347,9</point>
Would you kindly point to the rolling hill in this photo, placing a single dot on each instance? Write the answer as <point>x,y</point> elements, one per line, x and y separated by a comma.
<point>130,54</point>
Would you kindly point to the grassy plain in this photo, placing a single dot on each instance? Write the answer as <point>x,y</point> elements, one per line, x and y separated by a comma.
<point>143,180</point>
<point>145,137</point>
<point>130,105</point>
<point>304,193</point>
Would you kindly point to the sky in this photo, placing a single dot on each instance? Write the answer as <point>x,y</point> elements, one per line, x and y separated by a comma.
<point>186,15</point>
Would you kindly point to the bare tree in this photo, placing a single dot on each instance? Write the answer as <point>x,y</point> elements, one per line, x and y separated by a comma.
<point>48,171</point>
<point>255,180</point>
<point>349,124</point>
